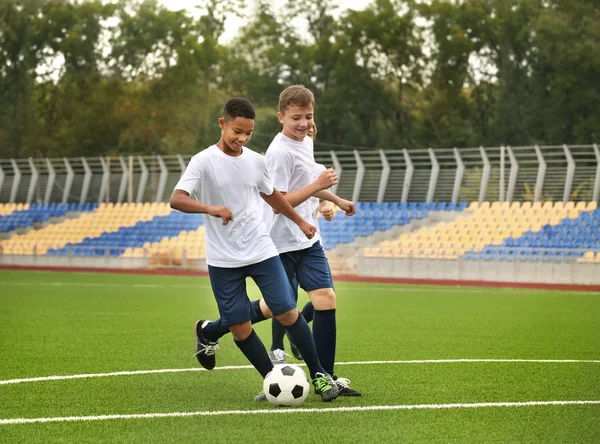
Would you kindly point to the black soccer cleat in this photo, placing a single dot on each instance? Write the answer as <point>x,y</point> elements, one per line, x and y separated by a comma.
<point>205,349</point>
<point>344,386</point>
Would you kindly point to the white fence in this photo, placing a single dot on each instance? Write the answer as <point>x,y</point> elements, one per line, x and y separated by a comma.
<point>534,173</point>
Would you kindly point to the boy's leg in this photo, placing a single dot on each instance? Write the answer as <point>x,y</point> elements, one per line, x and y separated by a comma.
<point>215,330</point>
<point>277,353</point>
<point>311,269</point>
<point>308,312</point>
<point>229,289</point>
<point>270,277</point>
<point>252,347</point>
<point>314,276</point>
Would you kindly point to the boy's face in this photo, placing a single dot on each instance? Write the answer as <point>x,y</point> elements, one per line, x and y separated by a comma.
<point>235,134</point>
<point>296,121</point>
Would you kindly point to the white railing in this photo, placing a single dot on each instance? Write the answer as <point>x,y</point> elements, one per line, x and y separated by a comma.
<point>533,173</point>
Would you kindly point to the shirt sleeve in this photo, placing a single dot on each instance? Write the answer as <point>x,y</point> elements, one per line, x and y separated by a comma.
<point>266,184</point>
<point>191,178</point>
<point>280,167</point>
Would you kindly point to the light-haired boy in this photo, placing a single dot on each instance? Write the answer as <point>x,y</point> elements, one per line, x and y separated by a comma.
<point>290,159</point>
<point>229,181</point>
<point>324,207</point>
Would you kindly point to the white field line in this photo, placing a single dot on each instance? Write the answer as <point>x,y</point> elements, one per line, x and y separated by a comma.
<point>273,411</point>
<point>244,367</point>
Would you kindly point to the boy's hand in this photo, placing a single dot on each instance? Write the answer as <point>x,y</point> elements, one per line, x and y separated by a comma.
<point>326,179</point>
<point>222,212</point>
<point>326,210</point>
<point>347,206</point>
<point>308,230</point>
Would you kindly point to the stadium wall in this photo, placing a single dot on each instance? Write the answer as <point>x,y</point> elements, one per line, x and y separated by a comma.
<point>575,275</point>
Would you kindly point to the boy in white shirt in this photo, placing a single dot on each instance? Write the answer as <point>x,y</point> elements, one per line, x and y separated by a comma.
<point>229,180</point>
<point>291,163</point>
<point>277,353</point>
<point>292,166</point>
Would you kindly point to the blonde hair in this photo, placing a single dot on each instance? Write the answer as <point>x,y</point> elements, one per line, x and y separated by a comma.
<point>295,95</point>
<point>314,131</point>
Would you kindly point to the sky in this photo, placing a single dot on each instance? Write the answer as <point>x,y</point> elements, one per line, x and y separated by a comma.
<point>233,23</point>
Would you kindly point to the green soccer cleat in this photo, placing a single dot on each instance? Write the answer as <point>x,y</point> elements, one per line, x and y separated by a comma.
<point>326,387</point>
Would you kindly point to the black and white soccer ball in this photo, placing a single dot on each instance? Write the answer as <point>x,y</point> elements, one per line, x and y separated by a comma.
<point>286,385</point>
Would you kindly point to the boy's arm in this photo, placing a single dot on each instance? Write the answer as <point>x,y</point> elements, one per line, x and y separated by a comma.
<point>281,205</point>
<point>181,200</point>
<point>325,180</point>
<point>346,205</point>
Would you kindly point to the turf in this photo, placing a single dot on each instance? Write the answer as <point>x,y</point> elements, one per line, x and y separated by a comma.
<point>81,323</point>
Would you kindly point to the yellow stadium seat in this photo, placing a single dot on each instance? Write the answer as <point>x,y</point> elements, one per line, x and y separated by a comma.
<point>515,206</point>
<point>527,205</point>
<point>547,206</point>
<point>580,206</point>
<point>559,205</point>
<point>591,206</point>
<point>485,205</point>
<point>570,205</point>
<point>473,206</point>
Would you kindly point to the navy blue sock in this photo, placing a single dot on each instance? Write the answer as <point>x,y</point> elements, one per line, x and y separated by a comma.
<point>254,350</point>
<point>308,312</point>
<point>258,315</point>
<point>324,332</point>
<point>277,334</point>
<point>217,329</point>
<point>300,333</point>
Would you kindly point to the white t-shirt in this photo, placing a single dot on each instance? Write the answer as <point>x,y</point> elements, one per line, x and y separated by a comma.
<point>234,182</point>
<point>315,201</point>
<point>292,167</point>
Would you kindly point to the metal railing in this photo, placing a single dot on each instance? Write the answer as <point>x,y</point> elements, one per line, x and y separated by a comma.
<point>534,173</point>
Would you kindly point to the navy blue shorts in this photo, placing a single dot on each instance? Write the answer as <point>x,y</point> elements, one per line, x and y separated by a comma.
<point>308,267</point>
<point>229,288</point>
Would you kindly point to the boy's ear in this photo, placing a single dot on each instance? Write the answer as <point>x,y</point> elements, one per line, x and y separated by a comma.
<point>280,117</point>
<point>221,122</point>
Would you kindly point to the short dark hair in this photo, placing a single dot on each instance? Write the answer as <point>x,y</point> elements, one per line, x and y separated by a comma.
<point>238,107</point>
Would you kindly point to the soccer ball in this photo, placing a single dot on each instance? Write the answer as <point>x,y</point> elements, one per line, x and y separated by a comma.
<point>286,385</point>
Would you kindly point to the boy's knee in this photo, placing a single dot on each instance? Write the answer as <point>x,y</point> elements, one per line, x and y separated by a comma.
<point>265,310</point>
<point>323,298</point>
<point>241,331</point>
<point>289,317</point>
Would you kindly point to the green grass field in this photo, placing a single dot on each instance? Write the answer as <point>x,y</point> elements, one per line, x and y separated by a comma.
<point>59,324</point>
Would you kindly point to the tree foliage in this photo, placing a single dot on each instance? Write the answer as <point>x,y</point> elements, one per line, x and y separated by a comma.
<point>130,76</point>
